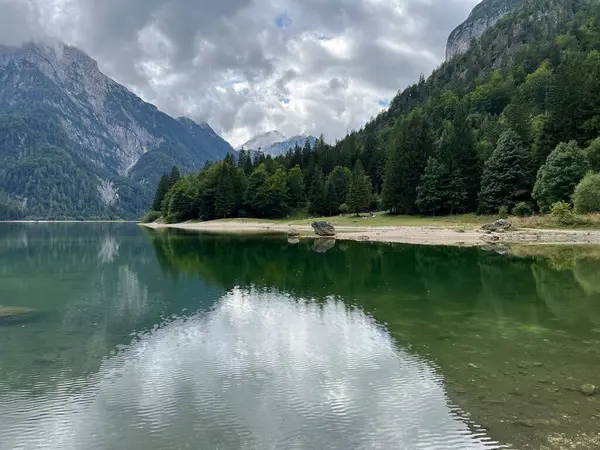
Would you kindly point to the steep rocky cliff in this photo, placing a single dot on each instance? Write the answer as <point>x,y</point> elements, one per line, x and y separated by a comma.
<point>76,144</point>
<point>485,15</point>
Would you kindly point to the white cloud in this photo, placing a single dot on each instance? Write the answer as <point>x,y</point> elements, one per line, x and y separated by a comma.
<point>247,66</point>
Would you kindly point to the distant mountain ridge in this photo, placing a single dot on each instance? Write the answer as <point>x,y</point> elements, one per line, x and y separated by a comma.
<point>59,114</point>
<point>274,143</point>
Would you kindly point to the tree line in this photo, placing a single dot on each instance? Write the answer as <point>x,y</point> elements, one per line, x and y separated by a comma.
<point>511,125</point>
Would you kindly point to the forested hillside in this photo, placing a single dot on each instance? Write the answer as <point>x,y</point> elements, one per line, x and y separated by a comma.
<point>513,122</point>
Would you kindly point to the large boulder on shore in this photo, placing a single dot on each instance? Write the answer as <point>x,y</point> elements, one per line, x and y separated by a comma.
<point>323,229</point>
<point>498,225</point>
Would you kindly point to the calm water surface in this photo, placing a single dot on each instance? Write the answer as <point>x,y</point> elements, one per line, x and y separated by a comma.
<point>173,340</point>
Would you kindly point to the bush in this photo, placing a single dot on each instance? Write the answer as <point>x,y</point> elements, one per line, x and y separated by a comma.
<point>523,209</point>
<point>503,212</point>
<point>563,214</point>
<point>344,208</point>
<point>556,180</point>
<point>151,216</point>
<point>586,197</point>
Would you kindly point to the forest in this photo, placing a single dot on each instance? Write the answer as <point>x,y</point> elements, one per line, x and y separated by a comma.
<point>511,126</point>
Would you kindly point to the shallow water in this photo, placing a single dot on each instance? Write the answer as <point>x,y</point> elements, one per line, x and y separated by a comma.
<point>171,340</point>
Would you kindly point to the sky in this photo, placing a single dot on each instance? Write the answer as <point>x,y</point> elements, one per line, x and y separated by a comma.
<point>251,66</point>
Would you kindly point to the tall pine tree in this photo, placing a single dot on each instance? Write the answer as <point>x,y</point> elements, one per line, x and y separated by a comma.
<point>507,177</point>
<point>360,190</point>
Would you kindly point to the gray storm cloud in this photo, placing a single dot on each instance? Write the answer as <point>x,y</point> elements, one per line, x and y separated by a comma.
<point>248,66</point>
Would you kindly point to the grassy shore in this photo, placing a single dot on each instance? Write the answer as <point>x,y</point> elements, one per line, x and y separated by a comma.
<point>590,221</point>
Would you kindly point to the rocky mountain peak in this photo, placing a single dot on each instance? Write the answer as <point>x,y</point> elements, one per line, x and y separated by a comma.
<point>485,15</point>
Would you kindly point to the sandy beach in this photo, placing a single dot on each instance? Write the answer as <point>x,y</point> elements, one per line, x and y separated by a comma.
<point>468,237</point>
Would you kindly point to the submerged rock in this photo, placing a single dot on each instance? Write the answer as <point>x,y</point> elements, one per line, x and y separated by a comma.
<point>324,229</point>
<point>588,389</point>
<point>323,245</point>
<point>498,225</point>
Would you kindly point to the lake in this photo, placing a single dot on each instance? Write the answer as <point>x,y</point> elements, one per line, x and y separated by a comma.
<point>118,337</point>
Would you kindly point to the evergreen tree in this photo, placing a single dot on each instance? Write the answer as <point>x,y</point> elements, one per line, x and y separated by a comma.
<point>373,157</point>
<point>507,177</point>
<point>336,189</point>
<point>407,158</point>
<point>360,190</point>
<point>256,198</point>
<point>174,177</point>
<point>161,192</point>
<point>556,180</point>
<point>276,194</point>
<point>296,188</point>
<point>225,201</point>
<point>183,201</point>
<point>317,200</point>
<point>431,193</point>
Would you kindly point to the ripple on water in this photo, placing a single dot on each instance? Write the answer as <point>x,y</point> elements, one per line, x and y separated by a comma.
<point>260,371</point>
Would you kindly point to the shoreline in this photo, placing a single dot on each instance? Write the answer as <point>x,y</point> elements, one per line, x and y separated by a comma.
<point>420,235</point>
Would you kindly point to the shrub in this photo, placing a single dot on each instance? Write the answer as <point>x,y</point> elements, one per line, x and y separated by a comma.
<point>151,216</point>
<point>563,214</point>
<point>523,209</point>
<point>344,208</point>
<point>586,197</point>
<point>503,212</point>
<point>556,180</point>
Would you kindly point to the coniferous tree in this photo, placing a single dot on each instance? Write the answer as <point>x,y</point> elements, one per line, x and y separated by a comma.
<point>296,187</point>
<point>225,201</point>
<point>316,198</point>
<point>410,148</point>
<point>431,193</point>
<point>161,192</point>
<point>507,177</point>
<point>360,190</point>
<point>336,189</point>
<point>174,177</point>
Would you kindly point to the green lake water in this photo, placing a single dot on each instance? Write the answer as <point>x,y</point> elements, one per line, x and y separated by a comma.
<point>139,339</point>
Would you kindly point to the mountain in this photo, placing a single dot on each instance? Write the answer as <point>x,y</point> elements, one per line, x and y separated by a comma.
<point>485,15</point>
<point>76,144</point>
<point>281,148</point>
<point>274,143</point>
<point>263,141</point>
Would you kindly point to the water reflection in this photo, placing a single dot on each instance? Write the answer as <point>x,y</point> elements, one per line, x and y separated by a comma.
<point>509,338</point>
<point>261,370</point>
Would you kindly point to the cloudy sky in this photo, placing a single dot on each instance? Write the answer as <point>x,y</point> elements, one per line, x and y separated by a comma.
<point>249,66</point>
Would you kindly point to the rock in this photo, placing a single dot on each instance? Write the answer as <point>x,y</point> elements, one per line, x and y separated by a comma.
<point>498,225</point>
<point>323,245</point>
<point>518,392</point>
<point>293,233</point>
<point>323,229</point>
<point>294,240</point>
<point>10,314</point>
<point>523,423</point>
<point>588,389</point>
